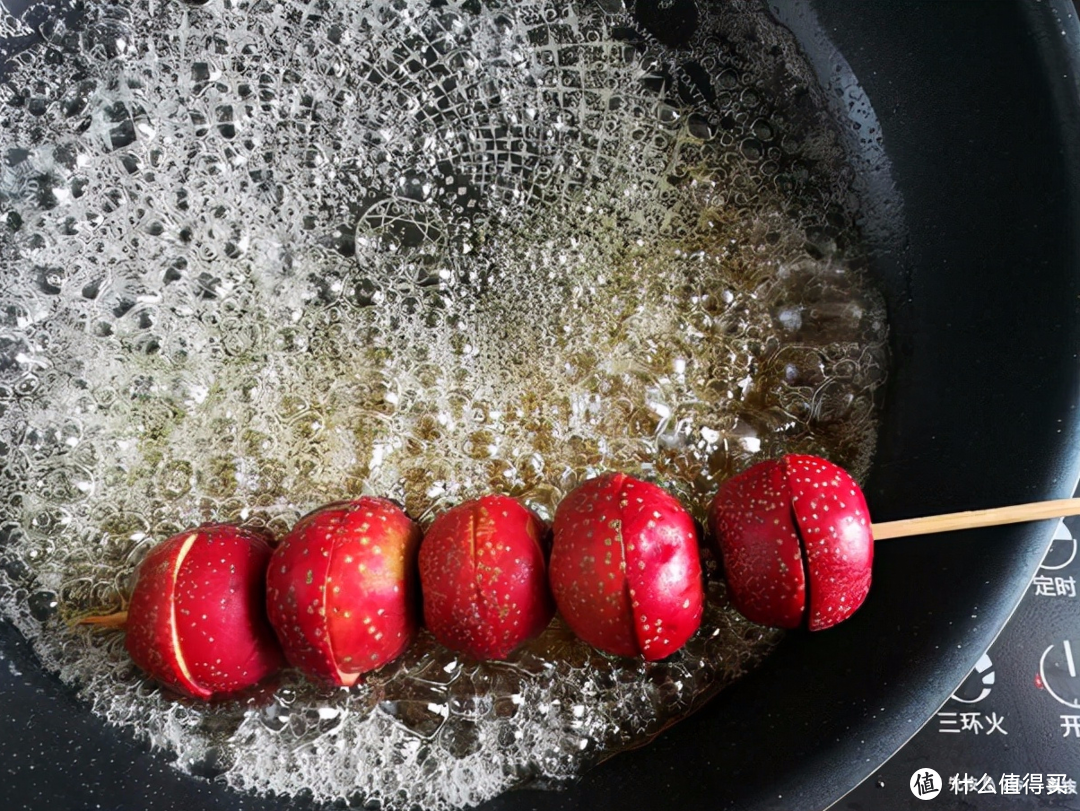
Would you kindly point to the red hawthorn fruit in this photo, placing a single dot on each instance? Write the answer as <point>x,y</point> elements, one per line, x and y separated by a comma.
<point>789,526</point>
<point>196,620</point>
<point>483,576</point>
<point>341,589</point>
<point>624,568</point>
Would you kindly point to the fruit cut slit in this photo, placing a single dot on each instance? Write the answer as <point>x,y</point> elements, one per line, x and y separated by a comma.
<point>480,597</point>
<point>346,677</point>
<point>804,558</point>
<point>627,588</point>
<point>181,556</point>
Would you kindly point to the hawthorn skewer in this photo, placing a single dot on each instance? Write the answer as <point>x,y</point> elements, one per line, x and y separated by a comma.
<point>794,535</point>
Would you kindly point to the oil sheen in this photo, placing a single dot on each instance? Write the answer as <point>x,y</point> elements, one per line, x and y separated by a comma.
<point>261,256</point>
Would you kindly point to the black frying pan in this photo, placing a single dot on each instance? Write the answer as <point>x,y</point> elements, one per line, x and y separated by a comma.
<point>979,110</point>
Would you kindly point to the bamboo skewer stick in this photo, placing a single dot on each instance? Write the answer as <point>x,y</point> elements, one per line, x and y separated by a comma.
<point>117,620</point>
<point>1014,514</point>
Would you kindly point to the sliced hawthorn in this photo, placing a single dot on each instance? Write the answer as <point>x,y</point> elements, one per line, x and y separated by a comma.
<point>834,525</point>
<point>751,519</point>
<point>625,569</point>
<point>794,535</point>
<point>341,589</point>
<point>483,576</point>
<point>196,620</point>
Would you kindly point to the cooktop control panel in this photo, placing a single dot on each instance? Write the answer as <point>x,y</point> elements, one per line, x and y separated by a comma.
<point>1009,737</point>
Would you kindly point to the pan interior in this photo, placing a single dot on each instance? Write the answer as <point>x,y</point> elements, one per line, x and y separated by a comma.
<point>266,257</point>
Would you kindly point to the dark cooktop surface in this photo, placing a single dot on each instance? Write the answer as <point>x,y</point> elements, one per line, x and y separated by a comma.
<point>1009,737</point>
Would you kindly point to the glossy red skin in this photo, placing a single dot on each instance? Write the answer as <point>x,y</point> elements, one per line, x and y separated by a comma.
<point>341,589</point>
<point>834,524</point>
<point>483,575</point>
<point>794,535</point>
<point>752,521</point>
<point>196,618</point>
<point>625,569</point>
